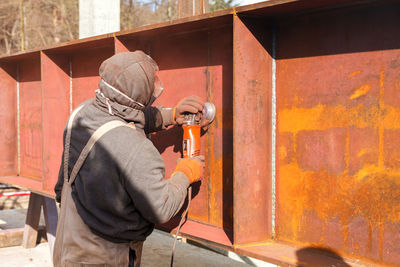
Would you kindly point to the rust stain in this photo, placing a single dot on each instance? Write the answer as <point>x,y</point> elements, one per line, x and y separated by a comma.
<point>322,117</point>
<point>391,117</point>
<point>381,231</point>
<point>215,191</point>
<point>357,198</point>
<point>368,194</point>
<point>362,152</point>
<point>381,121</point>
<point>368,169</point>
<point>354,73</point>
<point>363,90</point>
<point>282,152</point>
<point>347,151</point>
<point>215,162</point>
<point>297,100</point>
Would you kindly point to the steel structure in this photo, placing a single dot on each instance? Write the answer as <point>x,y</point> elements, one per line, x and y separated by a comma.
<point>303,159</point>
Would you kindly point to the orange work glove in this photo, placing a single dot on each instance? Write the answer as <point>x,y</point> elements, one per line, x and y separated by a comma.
<point>190,104</point>
<point>191,167</point>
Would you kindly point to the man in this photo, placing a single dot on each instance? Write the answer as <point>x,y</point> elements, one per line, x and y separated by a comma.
<point>111,182</point>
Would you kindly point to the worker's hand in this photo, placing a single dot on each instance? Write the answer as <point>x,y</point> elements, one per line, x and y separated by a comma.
<point>190,104</point>
<point>192,167</point>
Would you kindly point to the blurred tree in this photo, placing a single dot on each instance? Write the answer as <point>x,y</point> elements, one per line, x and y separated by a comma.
<point>136,13</point>
<point>221,4</point>
<point>28,24</point>
<point>9,35</point>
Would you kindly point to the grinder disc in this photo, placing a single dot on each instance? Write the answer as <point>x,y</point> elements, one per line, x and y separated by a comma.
<point>209,111</point>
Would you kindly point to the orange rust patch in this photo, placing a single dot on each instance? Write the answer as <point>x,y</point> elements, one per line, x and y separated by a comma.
<point>391,118</point>
<point>282,152</point>
<point>371,194</point>
<point>215,191</point>
<point>352,206</point>
<point>362,153</point>
<point>354,73</point>
<point>363,90</point>
<point>323,117</point>
<point>381,121</point>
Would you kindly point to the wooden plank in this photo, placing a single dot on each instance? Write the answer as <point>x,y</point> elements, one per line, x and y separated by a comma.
<point>11,237</point>
<point>51,217</point>
<point>32,221</point>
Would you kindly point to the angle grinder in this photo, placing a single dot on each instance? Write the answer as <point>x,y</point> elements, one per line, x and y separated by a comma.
<point>191,148</point>
<point>192,129</point>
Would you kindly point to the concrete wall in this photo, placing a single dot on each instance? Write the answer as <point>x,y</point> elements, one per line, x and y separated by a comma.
<point>98,17</point>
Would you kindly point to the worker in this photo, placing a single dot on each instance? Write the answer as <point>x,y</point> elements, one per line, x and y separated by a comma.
<point>111,182</point>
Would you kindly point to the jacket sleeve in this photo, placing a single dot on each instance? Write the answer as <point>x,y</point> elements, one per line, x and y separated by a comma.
<point>157,118</point>
<point>157,199</point>
<point>60,182</point>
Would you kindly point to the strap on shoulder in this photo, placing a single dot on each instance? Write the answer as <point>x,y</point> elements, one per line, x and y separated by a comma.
<point>93,139</point>
<point>68,140</point>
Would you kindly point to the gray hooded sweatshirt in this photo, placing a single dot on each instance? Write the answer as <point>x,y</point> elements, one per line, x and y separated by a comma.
<point>120,191</point>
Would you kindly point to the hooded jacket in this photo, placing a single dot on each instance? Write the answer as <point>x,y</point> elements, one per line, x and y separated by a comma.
<point>120,191</point>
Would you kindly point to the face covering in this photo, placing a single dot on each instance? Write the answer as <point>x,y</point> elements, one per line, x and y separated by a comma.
<point>119,92</point>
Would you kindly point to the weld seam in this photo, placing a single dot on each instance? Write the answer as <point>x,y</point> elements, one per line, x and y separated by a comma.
<point>18,125</point>
<point>273,134</point>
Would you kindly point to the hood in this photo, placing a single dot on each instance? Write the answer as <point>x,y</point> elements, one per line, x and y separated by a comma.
<point>132,73</point>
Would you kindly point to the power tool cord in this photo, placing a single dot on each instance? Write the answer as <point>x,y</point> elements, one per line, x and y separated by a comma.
<point>184,216</point>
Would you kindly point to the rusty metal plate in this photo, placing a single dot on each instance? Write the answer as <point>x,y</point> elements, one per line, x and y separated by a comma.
<point>8,119</point>
<point>338,91</point>
<point>56,97</point>
<point>30,90</point>
<point>338,125</point>
<point>199,63</point>
<point>252,130</point>
<point>85,72</point>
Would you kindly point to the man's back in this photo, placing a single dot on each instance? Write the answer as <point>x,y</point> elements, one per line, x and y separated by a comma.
<point>113,189</point>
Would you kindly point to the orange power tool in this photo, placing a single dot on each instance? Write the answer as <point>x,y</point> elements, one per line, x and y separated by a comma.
<point>191,148</point>
<point>192,129</point>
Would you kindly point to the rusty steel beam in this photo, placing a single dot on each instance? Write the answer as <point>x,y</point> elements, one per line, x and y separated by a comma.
<point>56,96</point>
<point>337,154</point>
<point>252,132</point>
<point>338,130</point>
<point>8,118</point>
<point>30,99</point>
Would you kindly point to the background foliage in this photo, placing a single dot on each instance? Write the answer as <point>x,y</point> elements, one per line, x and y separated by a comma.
<point>29,24</point>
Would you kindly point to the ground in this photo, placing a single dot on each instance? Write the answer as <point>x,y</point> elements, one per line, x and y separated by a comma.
<point>156,253</point>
